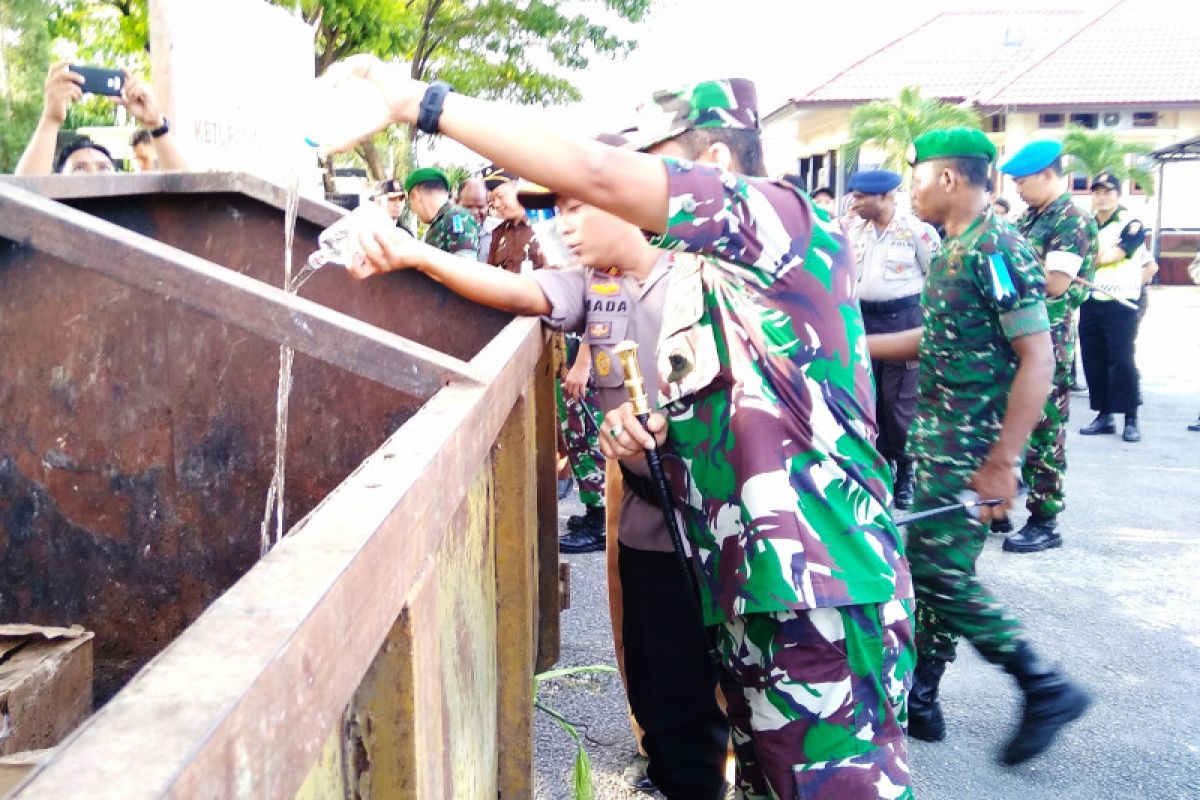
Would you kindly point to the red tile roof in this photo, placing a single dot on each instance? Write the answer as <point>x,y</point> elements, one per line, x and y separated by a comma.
<point>1117,55</point>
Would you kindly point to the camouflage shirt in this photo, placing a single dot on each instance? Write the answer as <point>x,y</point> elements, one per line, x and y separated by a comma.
<point>984,289</point>
<point>454,230</point>
<point>1063,226</point>
<point>763,366</point>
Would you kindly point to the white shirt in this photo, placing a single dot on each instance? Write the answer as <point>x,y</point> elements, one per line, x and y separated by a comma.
<point>892,263</point>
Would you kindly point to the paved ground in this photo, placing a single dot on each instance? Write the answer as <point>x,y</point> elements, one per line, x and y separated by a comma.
<point>1118,606</point>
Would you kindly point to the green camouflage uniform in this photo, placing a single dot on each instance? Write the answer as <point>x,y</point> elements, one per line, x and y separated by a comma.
<point>764,371</point>
<point>1061,226</point>
<point>984,290</point>
<point>582,436</point>
<point>454,230</point>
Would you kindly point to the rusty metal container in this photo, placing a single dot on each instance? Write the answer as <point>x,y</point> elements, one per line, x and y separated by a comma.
<point>139,350</point>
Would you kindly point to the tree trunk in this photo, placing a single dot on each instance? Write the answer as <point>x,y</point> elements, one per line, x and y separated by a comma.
<point>376,170</point>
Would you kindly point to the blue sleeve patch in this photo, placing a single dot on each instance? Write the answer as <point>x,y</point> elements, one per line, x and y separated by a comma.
<point>1002,282</point>
<point>457,224</point>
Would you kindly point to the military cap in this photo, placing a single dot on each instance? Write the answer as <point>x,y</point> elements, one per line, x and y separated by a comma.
<point>495,175</point>
<point>1032,158</point>
<point>390,187</point>
<point>1106,180</point>
<point>731,103</point>
<point>425,174</point>
<point>873,181</point>
<point>958,142</point>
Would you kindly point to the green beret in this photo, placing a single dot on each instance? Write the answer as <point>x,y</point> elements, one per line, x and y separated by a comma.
<point>426,174</point>
<point>951,143</point>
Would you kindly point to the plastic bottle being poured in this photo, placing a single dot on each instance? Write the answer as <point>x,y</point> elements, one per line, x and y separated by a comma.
<point>542,212</point>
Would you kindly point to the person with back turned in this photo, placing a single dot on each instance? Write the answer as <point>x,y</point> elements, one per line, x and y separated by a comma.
<point>892,250</point>
<point>986,364</point>
<point>764,373</point>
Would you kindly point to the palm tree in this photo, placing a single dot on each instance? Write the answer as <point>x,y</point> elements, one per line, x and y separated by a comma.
<point>892,125</point>
<point>1093,152</point>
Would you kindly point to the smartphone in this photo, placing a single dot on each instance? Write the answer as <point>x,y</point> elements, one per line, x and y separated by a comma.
<point>100,80</point>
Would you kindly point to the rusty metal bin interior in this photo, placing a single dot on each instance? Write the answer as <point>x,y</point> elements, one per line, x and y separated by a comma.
<point>137,407</point>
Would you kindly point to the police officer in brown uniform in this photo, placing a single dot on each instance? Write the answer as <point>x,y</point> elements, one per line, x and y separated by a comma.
<point>892,250</point>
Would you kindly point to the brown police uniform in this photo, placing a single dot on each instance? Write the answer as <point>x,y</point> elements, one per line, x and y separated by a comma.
<point>671,681</point>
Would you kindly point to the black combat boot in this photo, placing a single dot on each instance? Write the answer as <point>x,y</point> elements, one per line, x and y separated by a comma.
<point>1051,702</point>
<point>590,518</point>
<point>1002,525</point>
<point>903,496</point>
<point>1038,534</point>
<point>1103,423</point>
<point>925,721</point>
<point>1131,432</point>
<point>588,536</point>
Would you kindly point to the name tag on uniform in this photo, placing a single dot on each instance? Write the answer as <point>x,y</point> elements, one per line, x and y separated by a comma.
<point>901,258</point>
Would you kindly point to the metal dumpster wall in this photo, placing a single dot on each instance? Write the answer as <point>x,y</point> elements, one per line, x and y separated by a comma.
<point>385,649</point>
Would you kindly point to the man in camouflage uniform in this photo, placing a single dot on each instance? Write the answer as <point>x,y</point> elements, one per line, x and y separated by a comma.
<point>1064,238</point>
<point>451,227</point>
<point>763,365</point>
<point>986,364</point>
<point>579,422</point>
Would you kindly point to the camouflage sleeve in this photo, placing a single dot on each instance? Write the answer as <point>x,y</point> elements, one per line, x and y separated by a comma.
<point>462,233</point>
<point>748,222</point>
<point>1009,277</point>
<point>565,290</point>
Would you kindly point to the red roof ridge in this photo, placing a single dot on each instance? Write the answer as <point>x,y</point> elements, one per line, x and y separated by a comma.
<point>1009,78</point>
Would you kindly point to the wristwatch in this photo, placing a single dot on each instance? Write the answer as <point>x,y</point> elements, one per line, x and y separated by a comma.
<point>161,130</point>
<point>431,106</point>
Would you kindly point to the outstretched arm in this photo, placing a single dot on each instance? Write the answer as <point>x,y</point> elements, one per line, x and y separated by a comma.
<point>140,100</point>
<point>388,251</point>
<point>630,185</point>
<point>63,88</point>
<point>900,346</point>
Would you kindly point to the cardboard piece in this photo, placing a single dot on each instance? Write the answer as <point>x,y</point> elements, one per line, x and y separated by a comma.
<point>18,767</point>
<point>45,685</point>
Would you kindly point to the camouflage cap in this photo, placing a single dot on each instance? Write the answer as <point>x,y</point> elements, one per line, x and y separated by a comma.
<point>731,103</point>
<point>960,142</point>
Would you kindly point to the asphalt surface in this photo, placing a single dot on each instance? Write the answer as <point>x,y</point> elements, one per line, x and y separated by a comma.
<point>1118,606</point>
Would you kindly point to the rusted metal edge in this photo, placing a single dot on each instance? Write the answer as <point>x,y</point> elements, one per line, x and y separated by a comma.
<point>241,703</point>
<point>136,260</point>
<point>73,187</point>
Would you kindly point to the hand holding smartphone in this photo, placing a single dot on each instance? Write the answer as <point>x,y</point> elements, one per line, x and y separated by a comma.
<point>101,80</point>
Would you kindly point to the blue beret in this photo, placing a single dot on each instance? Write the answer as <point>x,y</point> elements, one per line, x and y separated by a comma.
<point>873,181</point>
<point>1032,158</point>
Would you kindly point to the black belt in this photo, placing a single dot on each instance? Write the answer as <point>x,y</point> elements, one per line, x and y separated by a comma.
<point>890,306</point>
<point>642,487</point>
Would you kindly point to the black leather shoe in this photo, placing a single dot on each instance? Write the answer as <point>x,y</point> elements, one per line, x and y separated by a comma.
<point>1002,525</point>
<point>1051,702</point>
<point>1131,434</point>
<point>904,485</point>
<point>585,540</point>
<point>1103,423</point>
<point>593,516</point>
<point>1038,534</point>
<point>1195,426</point>
<point>925,720</point>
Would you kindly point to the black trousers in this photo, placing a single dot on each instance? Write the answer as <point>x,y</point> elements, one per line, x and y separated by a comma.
<point>672,683</point>
<point>895,381</point>
<point>1106,335</point>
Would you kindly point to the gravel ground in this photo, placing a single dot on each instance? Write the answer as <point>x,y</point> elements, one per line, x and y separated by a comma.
<point>1118,606</point>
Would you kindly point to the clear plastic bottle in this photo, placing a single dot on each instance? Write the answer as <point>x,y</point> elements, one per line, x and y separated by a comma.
<point>342,111</point>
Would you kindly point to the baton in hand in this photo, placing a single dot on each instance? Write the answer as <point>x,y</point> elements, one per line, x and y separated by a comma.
<point>626,352</point>
<point>969,502</point>
<point>1085,282</point>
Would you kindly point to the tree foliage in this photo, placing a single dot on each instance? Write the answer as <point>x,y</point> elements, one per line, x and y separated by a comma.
<point>24,60</point>
<point>892,125</point>
<point>1093,152</point>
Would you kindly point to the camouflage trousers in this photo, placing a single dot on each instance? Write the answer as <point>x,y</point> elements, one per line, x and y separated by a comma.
<point>951,602</point>
<point>1046,461</point>
<point>817,701</point>
<point>582,440</point>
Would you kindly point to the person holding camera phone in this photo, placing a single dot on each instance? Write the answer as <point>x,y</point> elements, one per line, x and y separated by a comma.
<point>64,87</point>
